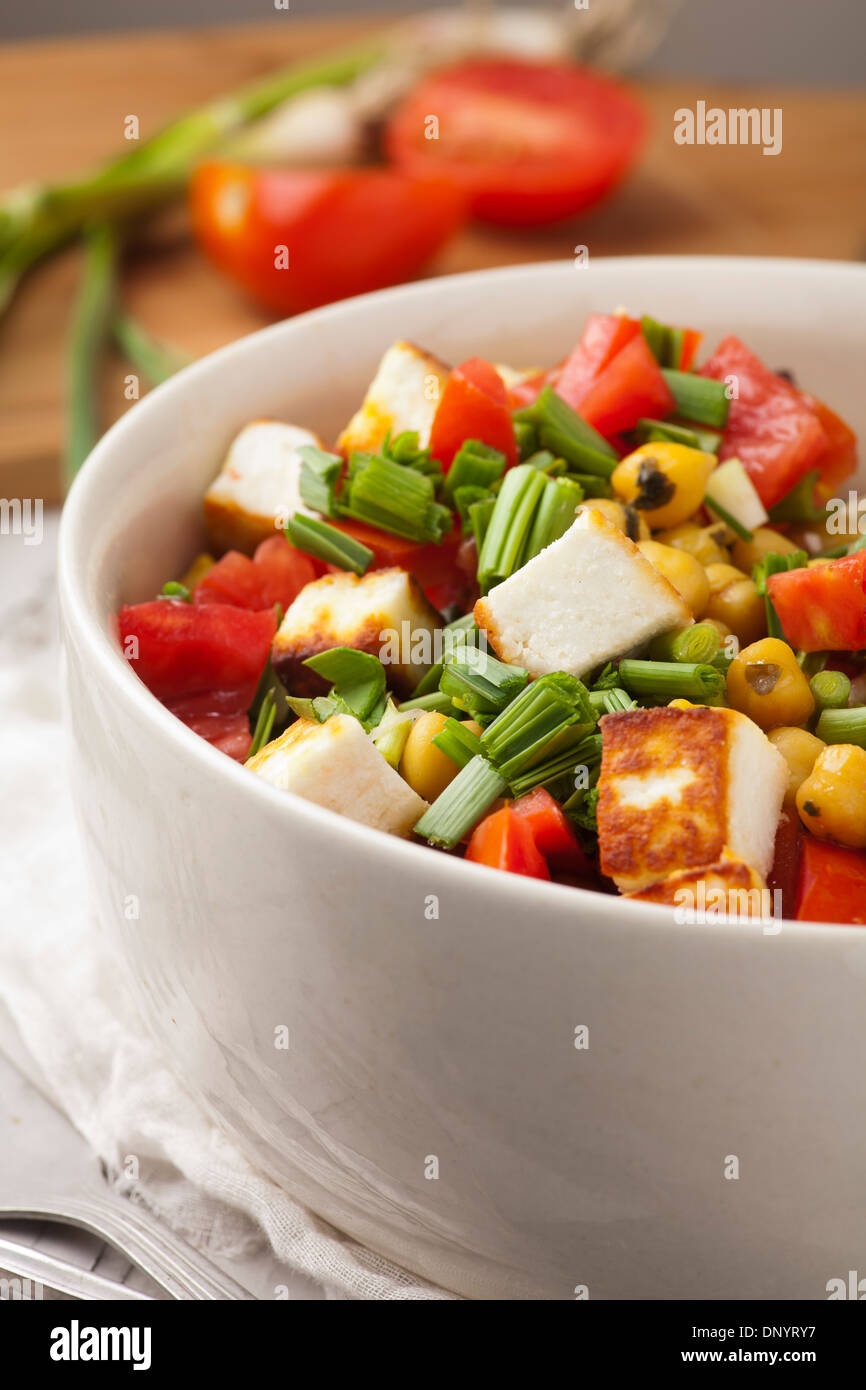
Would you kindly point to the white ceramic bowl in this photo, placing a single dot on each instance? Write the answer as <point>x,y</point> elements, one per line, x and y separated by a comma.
<point>452,1038</point>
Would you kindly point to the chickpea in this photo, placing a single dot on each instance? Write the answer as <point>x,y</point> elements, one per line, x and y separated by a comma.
<point>831,802</point>
<point>626,518</point>
<point>765,682</point>
<point>765,541</point>
<point>799,748</point>
<point>706,543</point>
<point>664,481</point>
<point>735,601</point>
<point>682,571</point>
<point>425,767</point>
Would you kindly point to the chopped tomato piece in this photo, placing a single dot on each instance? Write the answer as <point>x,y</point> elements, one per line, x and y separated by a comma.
<point>839,459</point>
<point>526,392</point>
<point>691,342</point>
<point>474,405</point>
<point>186,653</point>
<point>603,336</point>
<point>505,841</point>
<point>823,609</point>
<point>772,427</point>
<point>230,733</point>
<point>276,574</point>
<point>296,238</point>
<point>553,833</point>
<point>832,885</point>
<point>432,564</point>
<point>628,389</point>
<point>528,141</point>
<point>784,873</point>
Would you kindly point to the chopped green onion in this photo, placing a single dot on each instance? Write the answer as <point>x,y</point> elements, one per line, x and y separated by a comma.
<point>510,525</point>
<point>583,809</point>
<point>585,753</point>
<point>561,430</point>
<point>457,742</point>
<point>480,514</point>
<point>548,463</point>
<point>697,643</point>
<point>435,701</point>
<point>607,678</point>
<point>317,538</point>
<point>736,526</point>
<point>391,733</point>
<point>174,589</point>
<point>394,498</point>
<point>611,701</point>
<point>526,438</point>
<point>671,680</point>
<point>592,484</point>
<point>358,680</point>
<point>831,689</point>
<point>799,504</point>
<point>466,497</point>
<point>320,473</point>
<point>698,398</point>
<point>320,708</point>
<point>523,735</point>
<point>264,723</point>
<point>554,514</point>
<point>481,685</point>
<point>843,726</point>
<point>659,340</point>
<point>475,465</point>
<point>774,563</point>
<point>663,431</point>
<point>462,804</point>
<point>406,450</point>
<point>429,682</point>
<point>810,663</point>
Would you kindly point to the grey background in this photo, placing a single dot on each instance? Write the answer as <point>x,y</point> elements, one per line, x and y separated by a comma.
<point>819,42</point>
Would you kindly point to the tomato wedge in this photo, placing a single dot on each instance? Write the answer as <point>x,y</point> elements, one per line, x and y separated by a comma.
<point>505,841</point>
<point>839,459</point>
<point>230,733</point>
<point>276,574</point>
<point>604,335</point>
<point>629,388</point>
<point>553,833</point>
<point>473,405</point>
<point>529,142</point>
<point>298,238</point>
<point>772,427</point>
<point>823,609</point>
<point>832,885</point>
<point>432,564</point>
<point>204,659</point>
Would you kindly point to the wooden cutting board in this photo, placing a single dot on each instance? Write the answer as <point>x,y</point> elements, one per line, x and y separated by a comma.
<point>62,108</point>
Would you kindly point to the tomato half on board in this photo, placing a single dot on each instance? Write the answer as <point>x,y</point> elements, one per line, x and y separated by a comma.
<point>298,238</point>
<point>529,142</point>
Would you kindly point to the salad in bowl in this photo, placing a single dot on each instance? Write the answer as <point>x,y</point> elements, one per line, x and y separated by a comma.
<point>602,622</point>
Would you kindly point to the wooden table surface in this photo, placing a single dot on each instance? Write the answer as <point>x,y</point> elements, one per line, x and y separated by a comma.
<point>62,107</point>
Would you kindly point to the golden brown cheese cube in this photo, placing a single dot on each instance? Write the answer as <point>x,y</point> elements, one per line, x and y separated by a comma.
<point>729,888</point>
<point>385,612</point>
<point>337,765</point>
<point>258,487</point>
<point>403,395</point>
<point>683,788</point>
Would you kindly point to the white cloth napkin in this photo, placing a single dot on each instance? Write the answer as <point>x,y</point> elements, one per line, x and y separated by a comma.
<point>74,1014</point>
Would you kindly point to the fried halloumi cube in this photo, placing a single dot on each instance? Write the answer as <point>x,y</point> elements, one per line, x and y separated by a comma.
<point>683,788</point>
<point>257,488</point>
<point>385,612</point>
<point>403,395</point>
<point>338,766</point>
<point>729,888</point>
<point>589,597</point>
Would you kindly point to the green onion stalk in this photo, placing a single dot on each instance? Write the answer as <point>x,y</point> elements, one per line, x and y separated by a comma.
<point>37,219</point>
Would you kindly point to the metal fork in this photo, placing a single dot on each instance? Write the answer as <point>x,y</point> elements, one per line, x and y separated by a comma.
<point>183,1273</point>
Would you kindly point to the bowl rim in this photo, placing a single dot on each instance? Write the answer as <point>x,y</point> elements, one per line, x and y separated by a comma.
<point>110,668</point>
